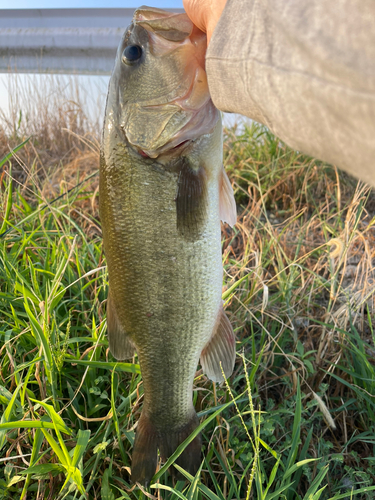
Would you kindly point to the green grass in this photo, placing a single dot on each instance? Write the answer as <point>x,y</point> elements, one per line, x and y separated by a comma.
<point>299,289</point>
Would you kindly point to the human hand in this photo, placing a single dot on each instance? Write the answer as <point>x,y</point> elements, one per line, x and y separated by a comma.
<point>205,14</point>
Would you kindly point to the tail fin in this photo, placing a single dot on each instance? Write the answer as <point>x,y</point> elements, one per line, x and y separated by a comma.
<point>145,452</point>
<point>148,440</point>
<point>190,458</point>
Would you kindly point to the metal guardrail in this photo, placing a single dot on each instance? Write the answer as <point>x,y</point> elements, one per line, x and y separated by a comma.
<point>82,41</point>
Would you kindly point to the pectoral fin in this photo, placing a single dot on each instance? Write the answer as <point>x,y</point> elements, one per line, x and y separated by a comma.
<point>227,203</point>
<point>221,348</point>
<point>119,343</point>
<point>191,202</point>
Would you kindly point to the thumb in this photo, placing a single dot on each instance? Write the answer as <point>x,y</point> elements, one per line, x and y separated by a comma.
<point>205,13</point>
<point>198,12</point>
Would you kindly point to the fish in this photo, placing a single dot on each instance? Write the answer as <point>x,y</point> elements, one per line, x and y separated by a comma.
<point>162,193</point>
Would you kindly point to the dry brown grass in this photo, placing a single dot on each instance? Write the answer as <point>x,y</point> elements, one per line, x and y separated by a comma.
<point>64,145</point>
<point>306,239</point>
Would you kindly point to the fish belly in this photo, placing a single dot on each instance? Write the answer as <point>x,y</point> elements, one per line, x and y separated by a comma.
<point>166,290</point>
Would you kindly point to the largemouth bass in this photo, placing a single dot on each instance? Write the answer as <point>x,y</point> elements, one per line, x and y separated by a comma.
<point>163,191</point>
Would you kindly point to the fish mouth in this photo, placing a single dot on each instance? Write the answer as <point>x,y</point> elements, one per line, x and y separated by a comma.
<point>200,112</point>
<point>199,117</point>
<point>200,122</point>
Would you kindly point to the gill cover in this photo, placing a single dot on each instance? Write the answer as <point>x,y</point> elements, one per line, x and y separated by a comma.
<point>163,97</point>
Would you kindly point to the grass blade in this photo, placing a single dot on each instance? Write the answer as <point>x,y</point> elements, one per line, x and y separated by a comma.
<point>7,415</point>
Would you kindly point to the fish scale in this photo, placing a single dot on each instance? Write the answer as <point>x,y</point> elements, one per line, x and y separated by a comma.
<point>171,288</point>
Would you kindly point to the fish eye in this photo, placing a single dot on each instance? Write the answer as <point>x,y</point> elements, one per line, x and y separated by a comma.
<point>131,54</point>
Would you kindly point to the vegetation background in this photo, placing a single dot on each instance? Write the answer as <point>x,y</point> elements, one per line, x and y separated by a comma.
<point>299,288</point>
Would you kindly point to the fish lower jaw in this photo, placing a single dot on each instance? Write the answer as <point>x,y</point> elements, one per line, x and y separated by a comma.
<point>172,151</point>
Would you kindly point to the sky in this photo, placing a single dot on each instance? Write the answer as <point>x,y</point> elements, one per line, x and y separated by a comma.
<point>59,4</point>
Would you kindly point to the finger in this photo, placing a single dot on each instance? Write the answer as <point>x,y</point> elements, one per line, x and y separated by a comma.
<point>198,12</point>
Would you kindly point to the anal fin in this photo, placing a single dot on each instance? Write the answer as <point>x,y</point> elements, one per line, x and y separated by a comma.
<point>227,203</point>
<point>119,343</point>
<point>221,348</point>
